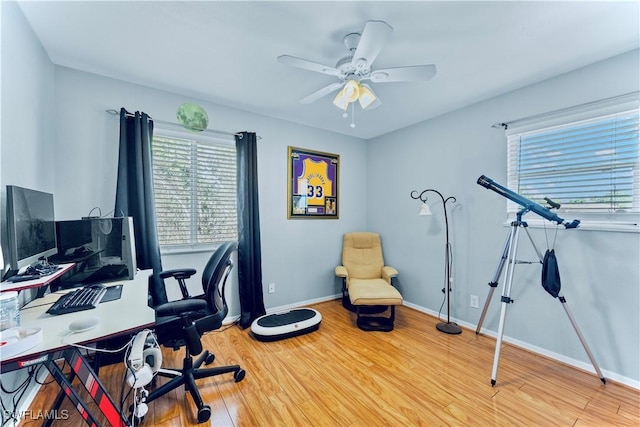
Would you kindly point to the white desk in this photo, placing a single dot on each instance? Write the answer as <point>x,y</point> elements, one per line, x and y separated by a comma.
<point>126,315</point>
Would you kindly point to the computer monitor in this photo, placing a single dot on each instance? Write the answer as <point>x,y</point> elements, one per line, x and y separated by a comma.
<point>31,226</point>
<point>73,235</point>
<point>103,250</point>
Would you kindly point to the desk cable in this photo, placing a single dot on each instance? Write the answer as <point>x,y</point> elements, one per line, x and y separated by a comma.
<point>136,413</point>
<point>10,414</point>
<point>139,407</point>
<point>100,350</point>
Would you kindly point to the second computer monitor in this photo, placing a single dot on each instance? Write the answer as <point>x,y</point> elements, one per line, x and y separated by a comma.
<point>103,249</point>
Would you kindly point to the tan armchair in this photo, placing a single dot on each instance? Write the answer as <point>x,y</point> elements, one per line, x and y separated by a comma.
<point>367,286</point>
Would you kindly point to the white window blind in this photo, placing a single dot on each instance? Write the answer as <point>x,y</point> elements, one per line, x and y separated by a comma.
<point>195,190</point>
<point>588,166</point>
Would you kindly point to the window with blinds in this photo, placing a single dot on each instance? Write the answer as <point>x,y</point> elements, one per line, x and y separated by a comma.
<point>195,190</point>
<point>588,166</point>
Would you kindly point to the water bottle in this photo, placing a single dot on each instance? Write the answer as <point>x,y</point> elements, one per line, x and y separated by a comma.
<point>9,310</point>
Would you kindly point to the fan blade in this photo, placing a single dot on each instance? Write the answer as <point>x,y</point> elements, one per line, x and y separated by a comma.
<point>404,74</point>
<point>308,65</point>
<point>322,92</point>
<point>374,37</point>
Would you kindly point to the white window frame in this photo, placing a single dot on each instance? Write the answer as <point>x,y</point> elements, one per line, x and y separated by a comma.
<point>203,139</point>
<point>621,221</point>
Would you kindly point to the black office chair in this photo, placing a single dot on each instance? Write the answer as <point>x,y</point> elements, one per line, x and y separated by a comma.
<point>181,323</point>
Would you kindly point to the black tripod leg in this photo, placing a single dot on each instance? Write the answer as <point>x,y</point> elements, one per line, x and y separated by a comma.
<point>582,340</point>
<point>494,281</point>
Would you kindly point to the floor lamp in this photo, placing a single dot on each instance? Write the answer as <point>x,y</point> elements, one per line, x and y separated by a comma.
<point>448,327</point>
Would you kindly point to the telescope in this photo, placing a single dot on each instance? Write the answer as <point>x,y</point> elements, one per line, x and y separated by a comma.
<point>527,205</point>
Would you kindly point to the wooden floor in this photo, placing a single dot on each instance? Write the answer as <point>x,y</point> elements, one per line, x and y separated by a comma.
<point>413,376</point>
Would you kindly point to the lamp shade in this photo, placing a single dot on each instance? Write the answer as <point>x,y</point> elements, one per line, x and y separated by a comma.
<point>354,91</point>
<point>367,97</point>
<point>341,100</point>
<point>425,210</point>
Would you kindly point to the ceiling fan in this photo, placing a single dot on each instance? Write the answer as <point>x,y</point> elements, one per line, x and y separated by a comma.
<point>355,68</point>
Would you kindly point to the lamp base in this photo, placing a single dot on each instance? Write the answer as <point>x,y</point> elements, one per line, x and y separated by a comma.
<point>449,328</point>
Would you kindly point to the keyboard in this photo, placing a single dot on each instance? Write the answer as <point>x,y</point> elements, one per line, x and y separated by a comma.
<point>78,300</point>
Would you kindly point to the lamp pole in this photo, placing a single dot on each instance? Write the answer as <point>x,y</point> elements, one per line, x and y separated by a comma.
<point>448,327</point>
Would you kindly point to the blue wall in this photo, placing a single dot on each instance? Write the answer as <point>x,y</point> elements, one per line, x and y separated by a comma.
<point>600,269</point>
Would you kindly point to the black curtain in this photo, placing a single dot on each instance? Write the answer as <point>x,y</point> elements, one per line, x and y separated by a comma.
<point>249,251</point>
<point>134,195</point>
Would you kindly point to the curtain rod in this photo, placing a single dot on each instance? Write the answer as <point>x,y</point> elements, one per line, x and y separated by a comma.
<point>627,97</point>
<point>115,112</point>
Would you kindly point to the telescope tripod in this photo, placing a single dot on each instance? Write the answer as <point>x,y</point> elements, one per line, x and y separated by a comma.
<point>509,259</point>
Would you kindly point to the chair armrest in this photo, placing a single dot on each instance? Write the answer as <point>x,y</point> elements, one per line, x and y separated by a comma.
<point>341,271</point>
<point>183,273</point>
<point>180,275</point>
<point>388,273</point>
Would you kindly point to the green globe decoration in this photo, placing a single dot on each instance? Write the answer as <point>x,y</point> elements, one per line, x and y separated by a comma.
<point>192,117</point>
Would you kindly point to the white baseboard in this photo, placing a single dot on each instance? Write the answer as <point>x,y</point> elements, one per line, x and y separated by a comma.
<point>534,349</point>
<point>232,319</point>
<point>302,304</point>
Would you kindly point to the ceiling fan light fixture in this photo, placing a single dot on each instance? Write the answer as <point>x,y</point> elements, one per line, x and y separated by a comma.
<point>352,90</point>
<point>341,101</point>
<point>367,97</point>
<point>356,66</point>
<point>349,93</point>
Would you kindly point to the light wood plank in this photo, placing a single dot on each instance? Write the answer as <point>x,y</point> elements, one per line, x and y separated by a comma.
<point>414,376</point>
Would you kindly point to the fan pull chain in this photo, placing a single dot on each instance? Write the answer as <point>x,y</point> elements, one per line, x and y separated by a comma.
<point>353,115</point>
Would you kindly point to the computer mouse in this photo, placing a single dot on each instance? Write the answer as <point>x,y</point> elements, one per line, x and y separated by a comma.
<point>84,324</point>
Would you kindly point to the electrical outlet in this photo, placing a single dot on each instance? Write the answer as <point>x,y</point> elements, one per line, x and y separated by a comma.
<point>474,301</point>
<point>272,288</point>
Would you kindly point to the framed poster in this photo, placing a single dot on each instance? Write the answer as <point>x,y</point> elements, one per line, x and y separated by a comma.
<point>312,189</point>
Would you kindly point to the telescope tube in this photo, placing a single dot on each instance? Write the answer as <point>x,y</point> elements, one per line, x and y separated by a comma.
<point>527,204</point>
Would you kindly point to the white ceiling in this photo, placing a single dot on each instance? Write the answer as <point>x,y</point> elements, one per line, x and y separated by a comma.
<point>225,52</point>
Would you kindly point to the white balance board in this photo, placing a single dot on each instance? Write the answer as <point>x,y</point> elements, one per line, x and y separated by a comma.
<point>286,324</point>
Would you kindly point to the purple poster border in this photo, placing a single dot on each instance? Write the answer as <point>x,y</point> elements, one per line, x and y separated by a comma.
<point>313,184</point>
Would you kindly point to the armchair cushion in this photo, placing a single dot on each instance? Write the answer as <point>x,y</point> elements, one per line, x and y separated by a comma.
<point>373,292</point>
<point>362,255</point>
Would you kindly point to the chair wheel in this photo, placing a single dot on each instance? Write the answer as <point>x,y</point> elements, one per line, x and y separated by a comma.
<point>210,358</point>
<point>204,414</point>
<point>239,375</point>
